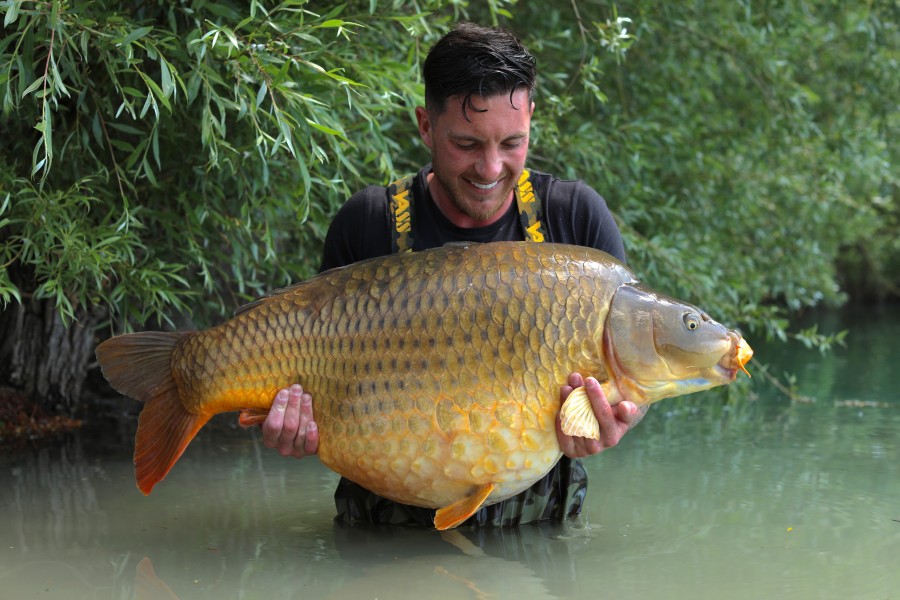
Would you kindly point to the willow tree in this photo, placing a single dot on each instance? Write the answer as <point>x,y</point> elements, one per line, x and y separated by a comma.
<point>163,159</point>
<point>163,162</point>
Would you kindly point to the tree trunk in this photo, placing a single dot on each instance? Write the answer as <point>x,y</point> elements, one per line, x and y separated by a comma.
<point>42,357</point>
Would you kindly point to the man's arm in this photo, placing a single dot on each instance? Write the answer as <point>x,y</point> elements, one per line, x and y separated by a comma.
<point>361,229</point>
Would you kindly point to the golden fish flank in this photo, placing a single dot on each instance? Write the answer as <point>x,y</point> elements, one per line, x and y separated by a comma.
<point>435,375</point>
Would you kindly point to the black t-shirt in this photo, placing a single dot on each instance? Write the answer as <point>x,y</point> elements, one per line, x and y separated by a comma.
<point>572,213</point>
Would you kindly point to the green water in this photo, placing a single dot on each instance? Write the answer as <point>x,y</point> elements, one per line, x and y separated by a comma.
<point>766,497</point>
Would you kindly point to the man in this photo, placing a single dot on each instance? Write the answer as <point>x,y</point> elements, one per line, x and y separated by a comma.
<point>479,85</point>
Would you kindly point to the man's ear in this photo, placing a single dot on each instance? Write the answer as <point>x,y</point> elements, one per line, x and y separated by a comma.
<point>425,126</point>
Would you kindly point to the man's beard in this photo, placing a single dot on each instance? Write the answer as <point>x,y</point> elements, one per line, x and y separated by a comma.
<point>479,211</point>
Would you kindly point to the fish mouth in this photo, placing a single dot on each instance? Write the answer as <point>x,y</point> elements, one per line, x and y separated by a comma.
<point>736,359</point>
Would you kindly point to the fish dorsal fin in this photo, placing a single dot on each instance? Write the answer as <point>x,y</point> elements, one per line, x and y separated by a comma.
<point>297,287</point>
<point>459,511</point>
<point>307,290</point>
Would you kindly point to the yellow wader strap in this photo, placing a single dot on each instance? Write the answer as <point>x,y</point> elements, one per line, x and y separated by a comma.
<point>529,209</point>
<point>401,215</point>
<point>527,202</point>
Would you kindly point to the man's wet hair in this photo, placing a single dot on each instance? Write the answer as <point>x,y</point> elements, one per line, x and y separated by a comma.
<point>472,60</point>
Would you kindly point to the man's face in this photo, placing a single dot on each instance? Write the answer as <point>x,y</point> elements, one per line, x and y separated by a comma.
<point>477,162</point>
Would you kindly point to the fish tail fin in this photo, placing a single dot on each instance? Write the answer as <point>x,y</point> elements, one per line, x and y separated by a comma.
<point>147,585</point>
<point>454,514</point>
<point>139,365</point>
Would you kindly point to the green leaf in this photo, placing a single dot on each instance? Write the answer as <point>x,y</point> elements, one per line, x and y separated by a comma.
<point>168,86</point>
<point>287,136</point>
<point>35,85</point>
<point>261,94</point>
<point>323,128</point>
<point>125,128</point>
<point>108,241</point>
<point>149,102</point>
<point>332,23</point>
<point>136,93</point>
<point>135,35</point>
<point>156,90</point>
<point>12,13</point>
<point>334,12</point>
<point>231,38</point>
<point>154,146</point>
<point>148,171</point>
<point>8,291</point>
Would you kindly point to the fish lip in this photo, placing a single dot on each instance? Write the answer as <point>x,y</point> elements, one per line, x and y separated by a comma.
<point>728,374</point>
<point>730,363</point>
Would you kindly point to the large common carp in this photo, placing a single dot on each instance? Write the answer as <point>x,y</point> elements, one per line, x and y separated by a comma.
<point>435,375</point>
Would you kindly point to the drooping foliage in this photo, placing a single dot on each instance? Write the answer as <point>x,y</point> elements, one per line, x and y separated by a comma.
<point>745,146</point>
<point>162,158</point>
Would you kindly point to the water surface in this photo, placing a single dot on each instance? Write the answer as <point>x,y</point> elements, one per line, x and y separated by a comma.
<point>711,497</point>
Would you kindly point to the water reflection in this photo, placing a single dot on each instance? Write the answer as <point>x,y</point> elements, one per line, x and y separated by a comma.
<point>403,563</point>
<point>711,498</point>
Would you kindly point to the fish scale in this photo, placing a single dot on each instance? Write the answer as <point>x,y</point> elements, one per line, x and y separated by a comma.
<point>435,375</point>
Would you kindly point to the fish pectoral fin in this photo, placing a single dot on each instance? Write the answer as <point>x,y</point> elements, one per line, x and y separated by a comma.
<point>252,416</point>
<point>577,415</point>
<point>459,511</point>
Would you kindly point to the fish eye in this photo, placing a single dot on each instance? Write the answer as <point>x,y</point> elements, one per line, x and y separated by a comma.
<point>691,321</point>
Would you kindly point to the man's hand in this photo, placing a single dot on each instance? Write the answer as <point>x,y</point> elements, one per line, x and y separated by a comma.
<point>290,426</point>
<point>614,420</point>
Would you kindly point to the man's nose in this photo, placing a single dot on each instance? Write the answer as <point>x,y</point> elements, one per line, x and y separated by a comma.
<point>489,165</point>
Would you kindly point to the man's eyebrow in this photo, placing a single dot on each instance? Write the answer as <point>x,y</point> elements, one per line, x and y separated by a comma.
<point>464,136</point>
<point>473,138</point>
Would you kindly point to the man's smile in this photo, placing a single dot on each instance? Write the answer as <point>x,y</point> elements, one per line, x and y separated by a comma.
<point>484,186</point>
